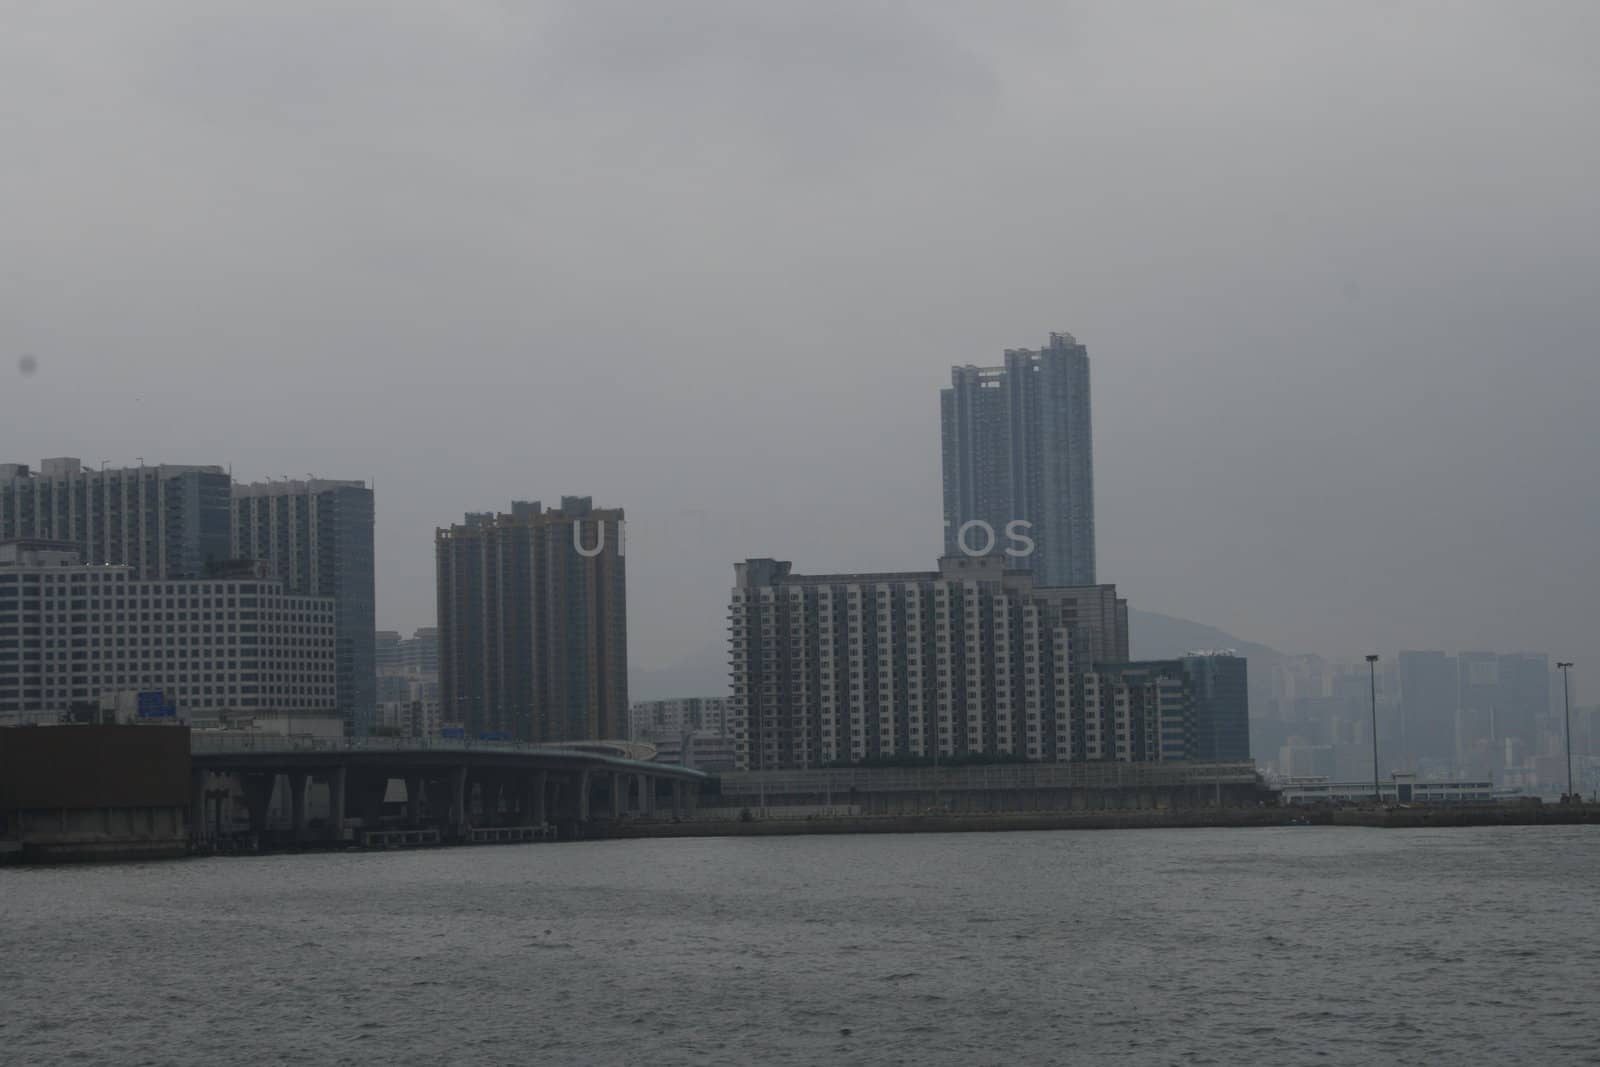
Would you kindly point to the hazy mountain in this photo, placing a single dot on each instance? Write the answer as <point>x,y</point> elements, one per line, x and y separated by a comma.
<point>1152,636</point>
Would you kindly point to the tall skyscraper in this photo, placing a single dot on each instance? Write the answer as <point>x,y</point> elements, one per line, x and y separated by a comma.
<point>163,522</point>
<point>533,622</point>
<point>967,660</point>
<point>1018,446</point>
<point>317,535</point>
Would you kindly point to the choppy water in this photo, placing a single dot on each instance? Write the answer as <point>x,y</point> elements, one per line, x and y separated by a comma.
<point>1282,946</point>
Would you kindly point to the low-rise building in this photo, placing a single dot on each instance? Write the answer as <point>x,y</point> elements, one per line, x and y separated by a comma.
<point>1398,789</point>
<point>653,720</point>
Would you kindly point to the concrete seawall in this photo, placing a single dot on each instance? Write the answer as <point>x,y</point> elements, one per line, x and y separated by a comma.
<point>1397,818</point>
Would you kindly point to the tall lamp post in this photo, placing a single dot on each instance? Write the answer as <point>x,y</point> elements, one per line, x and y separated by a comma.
<point>1566,701</point>
<point>1372,678</point>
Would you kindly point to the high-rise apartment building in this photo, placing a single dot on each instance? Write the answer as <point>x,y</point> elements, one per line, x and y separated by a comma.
<point>317,535</point>
<point>1018,447</point>
<point>533,631</point>
<point>160,521</point>
<point>79,633</point>
<point>967,660</point>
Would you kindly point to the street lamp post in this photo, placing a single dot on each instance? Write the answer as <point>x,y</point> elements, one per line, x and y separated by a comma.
<point>1372,677</point>
<point>1566,702</point>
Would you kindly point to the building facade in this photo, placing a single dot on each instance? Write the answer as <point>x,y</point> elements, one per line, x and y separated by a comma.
<point>74,634</point>
<point>1018,446</point>
<point>317,535</point>
<point>533,633</point>
<point>661,720</point>
<point>1220,680</point>
<point>1139,712</point>
<point>970,660</point>
<point>160,521</point>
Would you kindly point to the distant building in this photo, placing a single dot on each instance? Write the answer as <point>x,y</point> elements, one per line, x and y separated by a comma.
<point>1221,686</point>
<point>85,633</point>
<point>1398,789</point>
<point>967,660</point>
<point>417,654</point>
<point>533,637</point>
<point>1427,705</point>
<point>698,750</point>
<point>1017,445</point>
<point>318,537</point>
<point>657,720</point>
<point>1501,699</point>
<point>408,684</point>
<point>163,522</point>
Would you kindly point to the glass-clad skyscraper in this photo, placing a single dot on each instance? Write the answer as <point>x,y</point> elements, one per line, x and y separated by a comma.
<point>1018,449</point>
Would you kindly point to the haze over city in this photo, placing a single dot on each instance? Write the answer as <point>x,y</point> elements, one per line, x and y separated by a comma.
<point>1333,263</point>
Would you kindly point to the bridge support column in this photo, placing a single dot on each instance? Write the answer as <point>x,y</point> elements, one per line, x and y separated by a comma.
<point>257,796</point>
<point>458,801</point>
<point>647,795</point>
<point>297,803</point>
<point>414,802</point>
<point>336,784</point>
<point>583,796</point>
<point>541,786</point>
<point>197,807</point>
<point>677,799</point>
<point>618,792</point>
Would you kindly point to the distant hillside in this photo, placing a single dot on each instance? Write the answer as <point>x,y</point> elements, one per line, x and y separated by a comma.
<point>1152,636</point>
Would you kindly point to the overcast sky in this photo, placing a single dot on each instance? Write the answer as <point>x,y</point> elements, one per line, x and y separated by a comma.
<point>1335,264</point>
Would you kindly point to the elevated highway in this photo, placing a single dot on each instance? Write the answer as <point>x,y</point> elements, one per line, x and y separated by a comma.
<point>455,789</point>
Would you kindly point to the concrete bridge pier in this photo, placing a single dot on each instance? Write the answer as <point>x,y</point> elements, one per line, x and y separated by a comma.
<point>258,789</point>
<point>647,795</point>
<point>458,802</point>
<point>619,792</point>
<point>370,791</point>
<point>298,780</point>
<point>198,832</point>
<point>414,801</point>
<point>336,791</point>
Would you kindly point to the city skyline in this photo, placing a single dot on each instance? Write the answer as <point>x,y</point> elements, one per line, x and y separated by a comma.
<point>1354,369</point>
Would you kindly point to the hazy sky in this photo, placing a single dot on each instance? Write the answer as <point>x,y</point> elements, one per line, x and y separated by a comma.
<point>1335,263</point>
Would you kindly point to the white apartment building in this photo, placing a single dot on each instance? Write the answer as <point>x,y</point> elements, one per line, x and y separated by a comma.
<point>967,660</point>
<point>75,633</point>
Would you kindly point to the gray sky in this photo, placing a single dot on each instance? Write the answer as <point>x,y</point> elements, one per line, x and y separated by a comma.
<point>1335,263</point>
